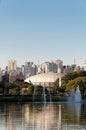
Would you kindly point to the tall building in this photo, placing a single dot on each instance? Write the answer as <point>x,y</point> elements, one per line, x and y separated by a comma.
<point>59,64</point>
<point>29,69</point>
<point>12,65</point>
<point>52,66</point>
<point>45,67</point>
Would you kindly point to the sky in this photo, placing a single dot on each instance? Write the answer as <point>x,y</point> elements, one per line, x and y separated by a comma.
<point>42,30</point>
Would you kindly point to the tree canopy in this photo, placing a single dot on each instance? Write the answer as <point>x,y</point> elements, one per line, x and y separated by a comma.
<point>71,80</point>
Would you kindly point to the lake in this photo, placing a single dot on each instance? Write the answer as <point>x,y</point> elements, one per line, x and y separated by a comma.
<point>43,116</point>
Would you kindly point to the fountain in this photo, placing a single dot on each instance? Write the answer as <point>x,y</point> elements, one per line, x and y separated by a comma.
<point>75,96</point>
<point>49,94</point>
<point>44,94</point>
<point>71,96</point>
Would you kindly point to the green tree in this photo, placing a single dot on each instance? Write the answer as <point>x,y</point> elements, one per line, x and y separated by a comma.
<point>72,76</point>
<point>30,89</point>
<point>2,88</point>
<point>55,87</point>
<point>81,81</point>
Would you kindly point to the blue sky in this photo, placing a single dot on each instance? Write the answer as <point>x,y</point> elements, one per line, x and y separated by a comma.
<point>42,30</point>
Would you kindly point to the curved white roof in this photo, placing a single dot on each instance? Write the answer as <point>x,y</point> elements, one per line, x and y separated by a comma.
<point>44,78</point>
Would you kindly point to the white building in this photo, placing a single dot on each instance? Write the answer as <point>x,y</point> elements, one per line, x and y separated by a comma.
<point>53,66</point>
<point>12,65</point>
<point>59,64</point>
<point>47,79</point>
<point>45,67</point>
<point>29,69</point>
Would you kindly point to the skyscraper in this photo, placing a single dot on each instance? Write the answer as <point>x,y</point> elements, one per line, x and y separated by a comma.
<point>12,65</point>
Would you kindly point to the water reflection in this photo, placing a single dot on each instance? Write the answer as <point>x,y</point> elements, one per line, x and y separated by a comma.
<point>74,109</point>
<point>40,116</point>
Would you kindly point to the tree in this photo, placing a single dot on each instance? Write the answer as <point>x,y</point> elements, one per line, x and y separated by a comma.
<point>30,89</point>
<point>81,81</point>
<point>55,87</point>
<point>2,88</point>
<point>72,76</point>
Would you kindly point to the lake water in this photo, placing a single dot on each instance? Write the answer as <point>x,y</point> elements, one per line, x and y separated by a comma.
<point>40,116</point>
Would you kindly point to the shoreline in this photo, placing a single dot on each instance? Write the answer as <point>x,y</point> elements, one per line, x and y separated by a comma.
<point>29,98</point>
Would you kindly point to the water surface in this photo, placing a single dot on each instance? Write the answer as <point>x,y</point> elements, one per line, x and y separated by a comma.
<point>43,116</point>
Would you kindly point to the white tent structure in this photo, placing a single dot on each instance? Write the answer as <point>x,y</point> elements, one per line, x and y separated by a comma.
<point>47,79</point>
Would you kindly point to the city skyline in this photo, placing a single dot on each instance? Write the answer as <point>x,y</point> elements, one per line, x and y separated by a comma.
<point>42,30</point>
<point>14,61</point>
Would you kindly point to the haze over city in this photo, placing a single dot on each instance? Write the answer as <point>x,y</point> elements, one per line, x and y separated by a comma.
<point>34,30</point>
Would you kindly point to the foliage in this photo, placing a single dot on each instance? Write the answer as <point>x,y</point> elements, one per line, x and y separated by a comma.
<point>6,88</point>
<point>30,89</point>
<point>55,87</point>
<point>61,89</point>
<point>13,91</point>
<point>72,76</point>
<point>39,90</point>
<point>81,81</point>
<point>2,87</point>
<point>69,81</point>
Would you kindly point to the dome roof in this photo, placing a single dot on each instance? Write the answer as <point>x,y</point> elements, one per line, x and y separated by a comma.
<point>44,78</point>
